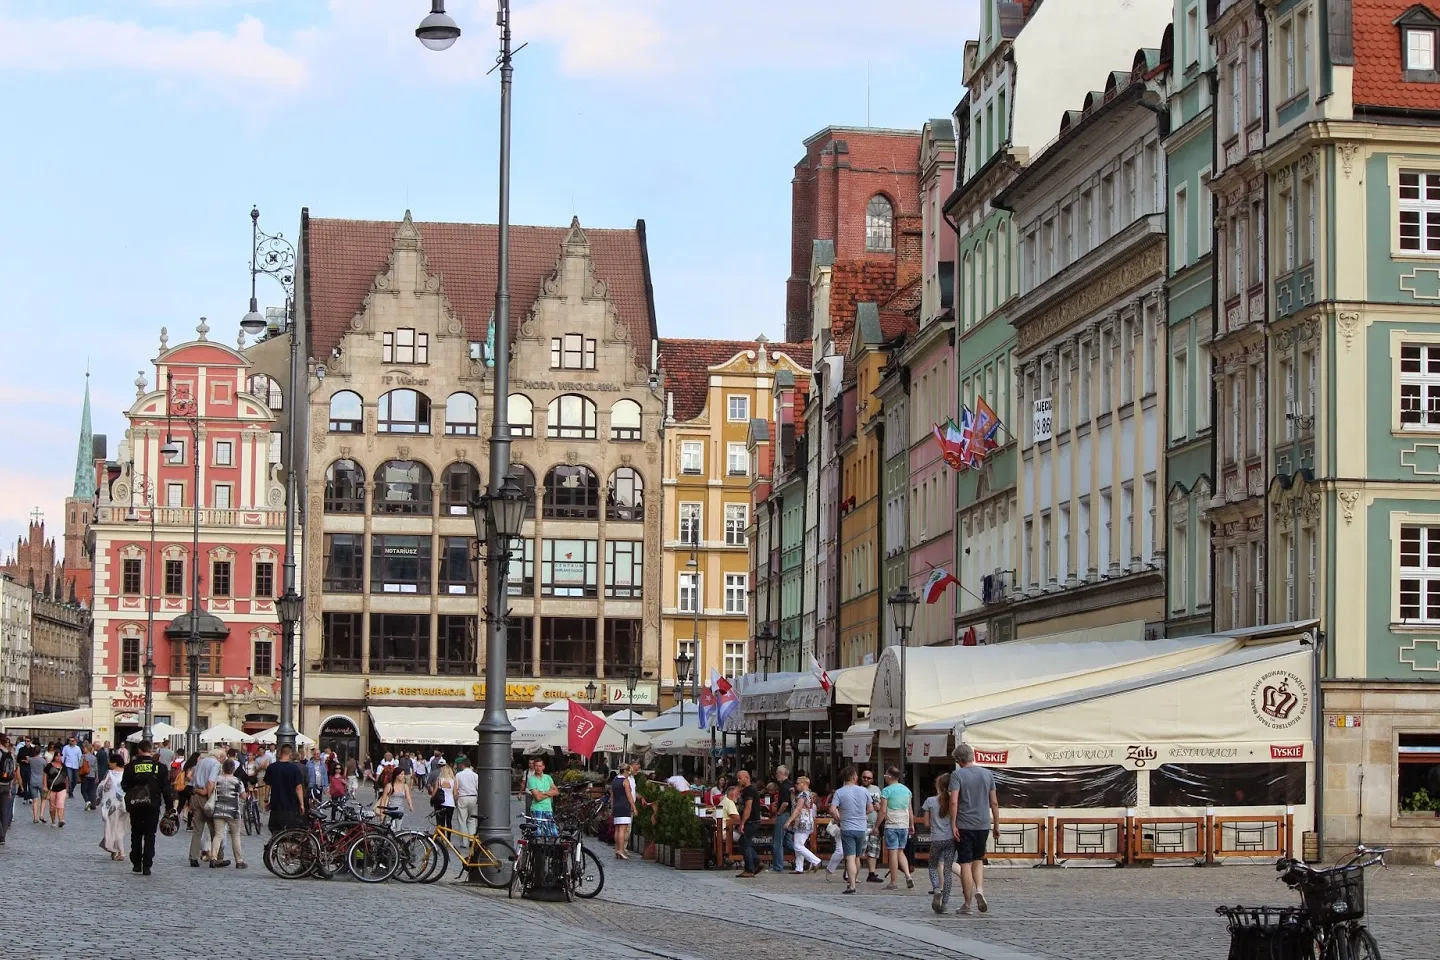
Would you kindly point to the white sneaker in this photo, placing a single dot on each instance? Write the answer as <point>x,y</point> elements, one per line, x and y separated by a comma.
<point>964,910</point>
<point>981,902</point>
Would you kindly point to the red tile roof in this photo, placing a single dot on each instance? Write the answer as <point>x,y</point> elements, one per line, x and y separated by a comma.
<point>1379,73</point>
<point>342,258</point>
<point>853,282</point>
<point>685,366</point>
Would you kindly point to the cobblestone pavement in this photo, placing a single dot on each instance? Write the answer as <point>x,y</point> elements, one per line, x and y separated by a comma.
<point>647,911</point>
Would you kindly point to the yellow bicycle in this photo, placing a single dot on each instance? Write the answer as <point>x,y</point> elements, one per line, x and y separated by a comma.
<point>493,862</point>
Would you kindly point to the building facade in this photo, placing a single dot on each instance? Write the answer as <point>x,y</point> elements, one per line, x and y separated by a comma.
<point>60,670</point>
<point>16,651</point>
<point>143,594</point>
<point>1089,363</point>
<point>715,390</point>
<point>399,314</point>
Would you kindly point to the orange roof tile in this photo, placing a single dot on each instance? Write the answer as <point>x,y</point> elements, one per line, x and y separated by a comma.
<point>1379,73</point>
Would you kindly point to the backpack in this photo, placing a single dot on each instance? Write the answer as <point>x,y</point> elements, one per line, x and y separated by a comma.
<point>141,795</point>
<point>7,767</point>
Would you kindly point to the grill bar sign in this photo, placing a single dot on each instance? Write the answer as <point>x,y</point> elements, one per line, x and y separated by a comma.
<point>1043,424</point>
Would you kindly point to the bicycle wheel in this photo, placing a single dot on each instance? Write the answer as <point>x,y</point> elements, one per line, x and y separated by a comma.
<point>252,819</point>
<point>418,854</point>
<point>292,854</point>
<point>440,864</point>
<point>592,875</point>
<point>518,874</point>
<point>1363,945</point>
<point>498,875</point>
<point>373,858</point>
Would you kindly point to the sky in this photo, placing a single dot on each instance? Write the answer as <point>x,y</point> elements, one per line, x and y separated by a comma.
<point>135,135</point>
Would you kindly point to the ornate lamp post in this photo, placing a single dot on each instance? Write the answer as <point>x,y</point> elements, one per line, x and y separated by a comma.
<point>146,488</point>
<point>683,665</point>
<point>632,679</point>
<point>765,643</point>
<point>903,603</point>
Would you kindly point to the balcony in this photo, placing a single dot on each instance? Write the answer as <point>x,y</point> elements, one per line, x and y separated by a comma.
<point>185,517</point>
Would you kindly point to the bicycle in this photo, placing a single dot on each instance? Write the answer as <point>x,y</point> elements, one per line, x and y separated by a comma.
<point>493,862</point>
<point>558,858</point>
<point>366,849</point>
<point>250,814</point>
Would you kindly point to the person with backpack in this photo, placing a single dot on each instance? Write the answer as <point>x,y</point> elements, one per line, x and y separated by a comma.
<point>57,788</point>
<point>146,784</point>
<point>9,783</point>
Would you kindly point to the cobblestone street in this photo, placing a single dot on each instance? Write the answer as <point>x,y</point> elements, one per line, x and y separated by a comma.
<point>650,911</point>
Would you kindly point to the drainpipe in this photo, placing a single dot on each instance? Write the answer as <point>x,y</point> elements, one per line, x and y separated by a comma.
<point>880,538</point>
<point>1318,723</point>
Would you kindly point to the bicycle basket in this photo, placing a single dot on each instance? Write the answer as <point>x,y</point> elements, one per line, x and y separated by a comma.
<point>1337,894</point>
<point>1267,933</point>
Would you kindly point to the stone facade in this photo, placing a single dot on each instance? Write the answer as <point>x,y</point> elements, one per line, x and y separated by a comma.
<point>59,675</point>
<point>16,652</point>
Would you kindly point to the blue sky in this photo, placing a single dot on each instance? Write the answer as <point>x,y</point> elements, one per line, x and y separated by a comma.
<point>138,133</point>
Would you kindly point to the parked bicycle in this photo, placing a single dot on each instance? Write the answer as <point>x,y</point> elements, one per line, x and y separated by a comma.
<point>365,848</point>
<point>1325,927</point>
<point>546,860</point>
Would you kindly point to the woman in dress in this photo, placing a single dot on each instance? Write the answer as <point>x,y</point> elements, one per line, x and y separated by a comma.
<point>443,797</point>
<point>112,807</point>
<point>802,824</point>
<point>622,805</point>
<point>57,787</point>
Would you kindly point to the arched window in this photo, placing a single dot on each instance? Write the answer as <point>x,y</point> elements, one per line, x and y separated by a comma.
<point>462,416</point>
<point>404,411</point>
<point>403,486</point>
<point>572,493</point>
<point>527,483</point>
<point>624,497</point>
<point>522,415</point>
<point>268,390</point>
<point>625,420</point>
<point>879,224</point>
<point>458,486</point>
<point>344,487</point>
<point>571,417</point>
<point>345,412</point>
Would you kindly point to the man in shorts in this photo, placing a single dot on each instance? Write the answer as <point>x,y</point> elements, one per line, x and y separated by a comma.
<point>873,834</point>
<point>851,806</point>
<point>977,818</point>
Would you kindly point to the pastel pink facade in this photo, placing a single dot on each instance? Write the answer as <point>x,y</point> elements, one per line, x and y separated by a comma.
<point>931,359</point>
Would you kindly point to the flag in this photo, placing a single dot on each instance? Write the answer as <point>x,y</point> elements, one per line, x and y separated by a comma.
<point>584,730</point>
<point>987,426</point>
<point>709,715</point>
<point>726,699</point>
<point>820,675</point>
<point>940,578</point>
<point>949,447</point>
<point>970,443</point>
<point>719,683</point>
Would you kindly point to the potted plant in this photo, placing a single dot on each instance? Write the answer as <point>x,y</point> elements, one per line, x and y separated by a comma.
<point>681,831</point>
<point>646,816</point>
<point>1420,802</point>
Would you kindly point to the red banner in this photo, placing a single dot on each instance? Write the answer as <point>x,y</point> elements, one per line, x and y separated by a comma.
<point>585,729</point>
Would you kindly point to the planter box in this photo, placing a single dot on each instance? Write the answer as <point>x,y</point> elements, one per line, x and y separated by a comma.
<point>689,858</point>
<point>649,853</point>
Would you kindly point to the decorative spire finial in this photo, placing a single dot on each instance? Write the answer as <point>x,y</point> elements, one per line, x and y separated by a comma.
<point>240,343</point>
<point>202,328</point>
<point>164,339</point>
<point>140,385</point>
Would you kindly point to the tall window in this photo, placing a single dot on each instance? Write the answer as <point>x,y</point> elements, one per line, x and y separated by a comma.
<point>456,651</point>
<point>344,562</point>
<point>462,416</point>
<point>262,658</point>
<point>209,660</point>
<point>736,588</point>
<point>567,647</point>
<point>571,417</point>
<point>691,513</point>
<point>572,493</point>
<point>522,415</point>
<point>1180,244</point>
<point>1419,387</point>
<point>689,592</point>
<point>341,641</point>
<point>403,411</point>
<point>879,224</point>
<point>520,578</point>
<point>224,453</point>
<point>399,643</point>
<point>568,568</point>
<point>457,572</point>
<point>1285,48</point>
<point>692,456</point>
<point>459,485</point>
<point>624,497</point>
<point>624,643</point>
<point>1307,220</point>
<point>129,654</point>
<point>737,518</point>
<point>1419,212</point>
<point>1420,574</point>
<point>738,408</point>
<point>527,483</point>
<point>624,569</point>
<point>519,646</point>
<point>222,496</point>
<point>572,352</point>
<point>737,460</point>
<point>267,389</point>
<point>174,494</point>
<point>405,346</point>
<point>344,487</point>
<point>399,564</point>
<point>220,578</point>
<point>175,578</point>
<point>131,577</point>
<point>346,412</point>
<point>264,579</point>
<point>736,656</point>
<point>625,420</point>
<point>403,486</point>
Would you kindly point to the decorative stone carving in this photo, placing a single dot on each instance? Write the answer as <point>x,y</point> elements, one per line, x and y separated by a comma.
<point>402,452</point>
<point>1347,152</point>
<point>1112,284</point>
<point>1309,164</point>
<point>1348,324</point>
<point>1348,499</point>
<point>572,457</point>
<point>1282,177</point>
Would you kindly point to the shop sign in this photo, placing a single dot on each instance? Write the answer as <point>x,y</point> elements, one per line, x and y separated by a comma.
<point>1290,752</point>
<point>571,386</point>
<point>1279,699</point>
<point>516,691</point>
<point>1344,721</point>
<point>994,758</point>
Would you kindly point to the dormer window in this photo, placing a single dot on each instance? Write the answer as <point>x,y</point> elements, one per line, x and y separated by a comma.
<point>572,352</point>
<point>405,346</point>
<point>1419,37</point>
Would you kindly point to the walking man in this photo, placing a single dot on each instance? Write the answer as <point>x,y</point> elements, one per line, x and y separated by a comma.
<point>749,822</point>
<point>850,806</point>
<point>467,795</point>
<point>895,818</point>
<point>977,817</point>
<point>784,802</point>
<point>146,784</point>
<point>9,781</point>
<point>202,784</point>
<point>71,753</point>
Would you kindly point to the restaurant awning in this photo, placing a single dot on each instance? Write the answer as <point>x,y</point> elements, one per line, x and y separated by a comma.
<point>442,726</point>
<point>859,742</point>
<point>852,684</point>
<point>81,719</point>
<point>769,698</point>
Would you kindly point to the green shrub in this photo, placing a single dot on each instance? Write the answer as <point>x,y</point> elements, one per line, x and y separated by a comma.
<point>677,824</point>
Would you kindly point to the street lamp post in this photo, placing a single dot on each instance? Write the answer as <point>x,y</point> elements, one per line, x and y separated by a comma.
<point>149,666</point>
<point>274,256</point>
<point>765,648</point>
<point>683,665</point>
<point>438,32</point>
<point>631,680</point>
<point>903,603</point>
<point>183,407</point>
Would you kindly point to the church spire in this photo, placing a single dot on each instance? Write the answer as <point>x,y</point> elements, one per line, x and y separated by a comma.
<point>85,455</point>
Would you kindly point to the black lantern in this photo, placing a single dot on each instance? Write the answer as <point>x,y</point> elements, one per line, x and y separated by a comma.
<point>590,692</point>
<point>903,603</point>
<point>683,666</point>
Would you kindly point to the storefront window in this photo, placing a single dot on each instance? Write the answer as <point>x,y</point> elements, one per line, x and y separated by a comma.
<point>1419,782</point>
<point>457,571</point>
<point>399,564</point>
<point>456,654</point>
<point>567,647</point>
<point>568,568</point>
<point>341,642</point>
<point>1227,784</point>
<point>399,643</point>
<point>1039,787</point>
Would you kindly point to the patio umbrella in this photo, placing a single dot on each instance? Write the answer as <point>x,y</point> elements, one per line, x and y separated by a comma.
<point>268,736</point>
<point>158,731</point>
<point>223,733</point>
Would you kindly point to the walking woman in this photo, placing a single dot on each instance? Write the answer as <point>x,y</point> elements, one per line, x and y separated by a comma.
<point>385,788</point>
<point>802,824</point>
<point>443,799</point>
<point>57,787</point>
<point>181,785</point>
<point>38,797</point>
<point>111,803</point>
<point>229,792</point>
<point>935,812</point>
<point>89,773</point>
<point>622,805</point>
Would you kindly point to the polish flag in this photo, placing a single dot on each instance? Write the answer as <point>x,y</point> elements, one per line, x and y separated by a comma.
<point>820,675</point>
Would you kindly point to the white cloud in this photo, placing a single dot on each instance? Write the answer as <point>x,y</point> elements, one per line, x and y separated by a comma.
<point>207,56</point>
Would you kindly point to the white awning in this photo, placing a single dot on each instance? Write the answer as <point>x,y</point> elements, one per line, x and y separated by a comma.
<point>852,684</point>
<point>859,742</point>
<point>927,747</point>
<point>82,719</point>
<point>768,699</point>
<point>441,726</point>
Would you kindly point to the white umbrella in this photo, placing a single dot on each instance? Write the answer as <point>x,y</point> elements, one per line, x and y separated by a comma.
<point>686,741</point>
<point>268,736</point>
<point>158,731</point>
<point>626,716</point>
<point>550,728</point>
<point>223,733</point>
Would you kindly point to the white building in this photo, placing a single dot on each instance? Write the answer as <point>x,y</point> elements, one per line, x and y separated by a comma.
<point>16,607</point>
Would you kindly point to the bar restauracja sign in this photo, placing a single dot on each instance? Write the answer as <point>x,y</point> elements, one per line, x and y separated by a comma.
<point>514,692</point>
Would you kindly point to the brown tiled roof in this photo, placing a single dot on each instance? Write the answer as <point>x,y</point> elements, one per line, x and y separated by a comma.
<point>685,365</point>
<point>342,257</point>
<point>1379,73</point>
<point>853,282</point>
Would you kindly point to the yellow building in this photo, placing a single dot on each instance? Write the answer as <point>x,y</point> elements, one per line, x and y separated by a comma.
<point>714,388</point>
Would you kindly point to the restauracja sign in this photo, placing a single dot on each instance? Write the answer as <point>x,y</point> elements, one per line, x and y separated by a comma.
<point>515,692</point>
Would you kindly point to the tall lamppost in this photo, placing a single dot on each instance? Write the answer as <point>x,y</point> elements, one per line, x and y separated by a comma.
<point>181,405</point>
<point>146,487</point>
<point>683,665</point>
<point>632,679</point>
<point>274,256</point>
<point>438,32</point>
<point>903,603</point>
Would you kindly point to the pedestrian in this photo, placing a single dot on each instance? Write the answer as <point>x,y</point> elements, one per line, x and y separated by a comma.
<point>57,788</point>
<point>784,802</point>
<point>935,813</point>
<point>873,831</point>
<point>749,804</point>
<point>146,787</point>
<point>9,782</point>
<point>111,803</point>
<point>977,816</point>
<point>352,779</point>
<point>286,781</point>
<point>442,800</point>
<point>385,788</point>
<point>183,787</point>
<point>316,776</point>
<point>166,756</point>
<point>337,787</point>
<point>72,755</point>
<point>802,824</point>
<point>229,791</point>
<point>89,771</point>
<point>39,799</point>
<point>467,795</point>
<point>895,819</point>
<point>424,775</point>
<point>203,775</point>
<point>541,788</point>
<point>24,749</point>
<point>851,807</point>
<point>102,762</point>
<point>622,808</point>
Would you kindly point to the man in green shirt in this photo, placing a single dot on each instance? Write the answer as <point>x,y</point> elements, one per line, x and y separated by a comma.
<point>540,788</point>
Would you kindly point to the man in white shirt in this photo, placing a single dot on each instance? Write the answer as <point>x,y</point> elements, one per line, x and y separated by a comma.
<point>678,782</point>
<point>467,797</point>
<point>70,756</point>
<point>202,782</point>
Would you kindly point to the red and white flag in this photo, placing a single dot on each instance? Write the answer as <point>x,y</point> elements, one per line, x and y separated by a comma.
<point>584,729</point>
<point>719,683</point>
<point>820,674</point>
<point>935,586</point>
